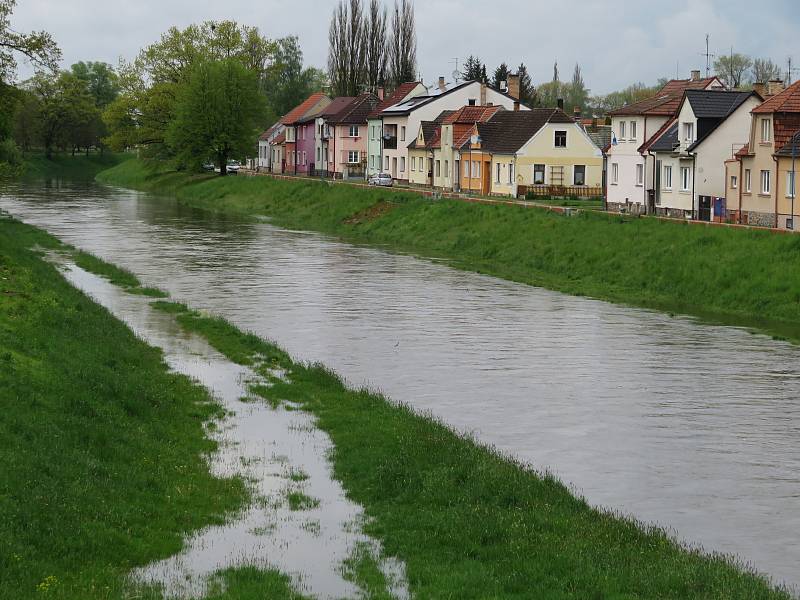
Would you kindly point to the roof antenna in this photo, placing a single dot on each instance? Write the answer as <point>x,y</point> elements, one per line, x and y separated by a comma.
<point>708,56</point>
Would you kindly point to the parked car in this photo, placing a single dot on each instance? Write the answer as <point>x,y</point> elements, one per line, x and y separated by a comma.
<point>381,179</point>
<point>232,167</point>
<point>208,167</point>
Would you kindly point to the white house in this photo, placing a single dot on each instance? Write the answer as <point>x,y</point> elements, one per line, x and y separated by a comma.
<point>689,153</point>
<point>630,170</point>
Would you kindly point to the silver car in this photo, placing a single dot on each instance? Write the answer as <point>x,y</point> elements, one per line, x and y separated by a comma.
<point>381,179</point>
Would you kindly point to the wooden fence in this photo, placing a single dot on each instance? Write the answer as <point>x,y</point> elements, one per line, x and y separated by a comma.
<point>559,191</point>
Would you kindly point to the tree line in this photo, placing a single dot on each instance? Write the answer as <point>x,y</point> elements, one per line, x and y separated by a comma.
<point>368,49</point>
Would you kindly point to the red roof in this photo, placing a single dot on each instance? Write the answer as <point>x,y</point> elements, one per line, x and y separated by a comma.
<point>472,114</point>
<point>298,112</point>
<point>265,136</point>
<point>279,140</point>
<point>745,151</point>
<point>787,101</point>
<point>668,99</point>
<point>396,97</point>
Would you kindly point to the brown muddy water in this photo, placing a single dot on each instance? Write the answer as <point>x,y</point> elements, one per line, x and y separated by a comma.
<point>690,426</point>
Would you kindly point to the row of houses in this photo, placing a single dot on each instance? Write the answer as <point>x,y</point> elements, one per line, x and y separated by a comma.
<point>464,137</point>
<point>697,150</point>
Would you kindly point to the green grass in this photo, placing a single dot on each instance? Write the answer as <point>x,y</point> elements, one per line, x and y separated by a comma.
<point>734,276</point>
<point>80,166</point>
<point>116,275</point>
<point>468,522</point>
<point>101,446</point>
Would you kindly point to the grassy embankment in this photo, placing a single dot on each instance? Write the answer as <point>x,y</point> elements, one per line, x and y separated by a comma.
<point>467,522</point>
<point>735,276</point>
<point>101,446</point>
<point>78,167</point>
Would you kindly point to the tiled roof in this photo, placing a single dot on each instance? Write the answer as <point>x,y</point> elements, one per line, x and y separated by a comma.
<point>786,124</point>
<point>471,114</point>
<point>667,100</point>
<point>787,101</point>
<point>786,150</point>
<point>279,140</point>
<point>599,134</point>
<point>302,109</point>
<point>715,104</point>
<point>395,97</point>
<point>667,140</point>
<point>266,135</point>
<point>656,136</point>
<point>356,110</point>
<point>744,151</point>
<point>336,105</point>
<point>508,131</point>
<point>429,130</point>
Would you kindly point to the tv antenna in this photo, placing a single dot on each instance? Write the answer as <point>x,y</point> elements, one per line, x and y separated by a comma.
<point>708,56</point>
<point>456,72</point>
<point>790,71</point>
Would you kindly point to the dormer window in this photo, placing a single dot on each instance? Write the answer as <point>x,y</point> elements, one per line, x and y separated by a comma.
<point>472,101</point>
<point>766,131</point>
<point>561,139</point>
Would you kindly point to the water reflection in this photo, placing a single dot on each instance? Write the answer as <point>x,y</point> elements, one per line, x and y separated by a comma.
<point>691,426</point>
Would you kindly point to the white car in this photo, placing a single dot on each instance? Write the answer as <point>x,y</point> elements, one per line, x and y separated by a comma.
<point>381,179</point>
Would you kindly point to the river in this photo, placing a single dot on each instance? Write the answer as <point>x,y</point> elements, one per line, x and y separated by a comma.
<point>691,426</point>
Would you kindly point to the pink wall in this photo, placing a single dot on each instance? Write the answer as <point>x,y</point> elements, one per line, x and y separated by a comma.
<point>344,144</point>
<point>306,145</point>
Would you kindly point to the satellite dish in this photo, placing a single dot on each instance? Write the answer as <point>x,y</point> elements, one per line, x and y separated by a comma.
<point>456,75</point>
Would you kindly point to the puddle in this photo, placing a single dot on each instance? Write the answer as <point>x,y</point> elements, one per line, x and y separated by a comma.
<point>279,451</point>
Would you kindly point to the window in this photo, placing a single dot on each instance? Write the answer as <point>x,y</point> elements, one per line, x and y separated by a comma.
<point>748,181</point>
<point>413,163</point>
<point>686,179</point>
<point>466,168</point>
<point>561,139</point>
<point>633,131</point>
<point>371,161</point>
<point>320,151</point>
<point>766,187</point>
<point>472,101</point>
<point>402,164</point>
<point>639,175</point>
<point>688,132</point>
<point>790,183</point>
<point>614,173</point>
<point>353,157</point>
<point>766,130</point>
<point>476,169</point>
<point>579,175</point>
<point>402,134</point>
<point>510,173</point>
<point>498,173</point>
<point>734,182</point>
<point>438,168</point>
<point>667,183</point>
<point>446,169</point>
<point>538,174</point>
<point>304,158</point>
<point>353,130</point>
<point>386,168</point>
<point>622,130</point>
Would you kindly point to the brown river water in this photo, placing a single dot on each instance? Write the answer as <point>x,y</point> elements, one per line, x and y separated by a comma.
<point>690,426</point>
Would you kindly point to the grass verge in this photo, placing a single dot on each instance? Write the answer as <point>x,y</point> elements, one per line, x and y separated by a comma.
<point>78,167</point>
<point>739,277</point>
<point>468,522</point>
<point>101,446</point>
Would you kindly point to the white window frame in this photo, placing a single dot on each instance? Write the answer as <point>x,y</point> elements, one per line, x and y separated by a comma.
<point>402,133</point>
<point>734,182</point>
<point>413,163</point>
<point>446,169</point>
<point>766,131</point>
<point>766,182</point>
<point>438,168</point>
<point>748,180</point>
<point>614,173</point>
<point>632,132</point>
<point>402,164</point>
<point>466,168</point>
<point>639,175</point>
<point>386,168</point>
<point>511,173</point>
<point>686,179</point>
<point>351,154</point>
<point>622,130</point>
<point>791,184</point>
<point>353,132</point>
<point>666,184</point>
<point>498,173</point>
<point>688,132</point>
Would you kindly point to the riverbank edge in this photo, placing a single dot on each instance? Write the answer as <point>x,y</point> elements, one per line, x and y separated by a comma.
<point>467,520</point>
<point>103,445</point>
<point>360,216</point>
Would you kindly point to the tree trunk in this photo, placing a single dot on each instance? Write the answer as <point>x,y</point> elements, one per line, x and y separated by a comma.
<point>223,164</point>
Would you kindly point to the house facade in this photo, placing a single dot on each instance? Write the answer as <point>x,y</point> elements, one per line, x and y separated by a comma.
<point>631,171</point>
<point>403,120</point>
<point>755,169</point>
<point>266,154</point>
<point>691,150</point>
<point>421,151</point>
<point>379,137</point>
<point>346,132</point>
<point>281,139</point>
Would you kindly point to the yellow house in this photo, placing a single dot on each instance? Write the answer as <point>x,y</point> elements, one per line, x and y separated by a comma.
<point>788,159</point>
<point>542,149</point>
<point>421,151</point>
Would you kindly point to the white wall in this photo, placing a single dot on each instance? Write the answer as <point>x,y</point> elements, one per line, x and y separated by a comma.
<point>626,155</point>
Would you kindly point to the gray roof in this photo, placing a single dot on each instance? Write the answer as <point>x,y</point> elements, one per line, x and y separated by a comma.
<point>429,128</point>
<point>508,131</point>
<point>715,104</point>
<point>600,135</point>
<point>667,141</point>
<point>787,149</point>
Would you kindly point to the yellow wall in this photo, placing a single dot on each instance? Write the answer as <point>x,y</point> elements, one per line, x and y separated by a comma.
<point>419,174</point>
<point>580,150</point>
<point>783,191</point>
<point>503,187</point>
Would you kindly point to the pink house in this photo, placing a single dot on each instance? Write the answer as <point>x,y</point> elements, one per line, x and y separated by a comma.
<point>347,138</point>
<point>305,144</point>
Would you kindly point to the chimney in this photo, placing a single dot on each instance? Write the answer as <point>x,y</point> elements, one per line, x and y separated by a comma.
<point>775,87</point>
<point>483,94</point>
<point>381,93</point>
<point>760,89</point>
<point>516,105</point>
<point>576,113</point>
<point>560,104</point>
<point>696,75</point>
<point>442,85</point>
<point>513,86</point>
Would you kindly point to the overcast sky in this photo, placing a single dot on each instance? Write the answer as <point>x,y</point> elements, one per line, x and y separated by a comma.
<point>616,42</point>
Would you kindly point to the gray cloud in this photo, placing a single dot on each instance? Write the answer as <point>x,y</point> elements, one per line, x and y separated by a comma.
<point>616,43</point>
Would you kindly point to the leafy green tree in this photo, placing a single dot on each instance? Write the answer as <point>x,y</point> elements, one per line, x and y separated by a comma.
<point>38,46</point>
<point>217,114</point>
<point>80,115</point>
<point>286,83</point>
<point>26,123</point>
<point>402,57</point>
<point>101,79</point>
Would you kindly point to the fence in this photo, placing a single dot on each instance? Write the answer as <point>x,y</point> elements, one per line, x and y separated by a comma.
<point>559,191</point>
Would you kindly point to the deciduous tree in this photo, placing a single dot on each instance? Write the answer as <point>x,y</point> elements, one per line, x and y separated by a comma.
<point>764,70</point>
<point>733,69</point>
<point>403,45</point>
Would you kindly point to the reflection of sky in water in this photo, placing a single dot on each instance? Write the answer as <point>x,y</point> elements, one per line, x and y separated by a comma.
<point>694,427</point>
<point>265,446</point>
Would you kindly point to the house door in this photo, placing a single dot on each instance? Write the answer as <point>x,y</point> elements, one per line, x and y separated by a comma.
<point>704,212</point>
<point>394,168</point>
<point>487,178</point>
<point>720,210</point>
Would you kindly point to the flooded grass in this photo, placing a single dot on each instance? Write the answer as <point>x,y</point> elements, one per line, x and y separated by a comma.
<point>301,501</point>
<point>731,276</point>
<point>469,522</point>
<point>101,446</point>
<point>116,275</point>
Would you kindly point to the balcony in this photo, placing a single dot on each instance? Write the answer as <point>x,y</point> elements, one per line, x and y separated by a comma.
<point>389,142</point>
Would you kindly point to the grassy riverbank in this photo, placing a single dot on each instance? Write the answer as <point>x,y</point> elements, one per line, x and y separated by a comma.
<point>101,446</point>
<point>78,167</point>
<point>467,522</point>
<point>736,276</point>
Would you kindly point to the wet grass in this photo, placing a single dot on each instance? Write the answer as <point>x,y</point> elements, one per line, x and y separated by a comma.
<point>468,522</point>
<point>301,501</point>
<point>116,275</point>
<point>78,167</point>
<point>101,446</point>
<point>732,276</point>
